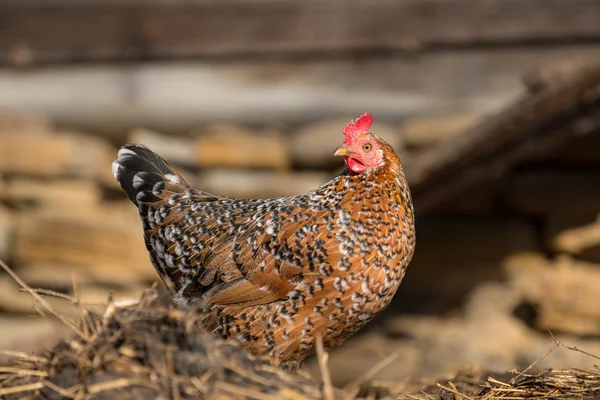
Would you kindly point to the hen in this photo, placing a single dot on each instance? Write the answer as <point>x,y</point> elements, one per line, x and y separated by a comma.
<point>277,273</point>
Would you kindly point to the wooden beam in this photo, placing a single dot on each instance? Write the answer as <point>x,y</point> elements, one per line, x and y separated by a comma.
<point>177,97</point>
<point>563,102</point>
<point>41,31</point>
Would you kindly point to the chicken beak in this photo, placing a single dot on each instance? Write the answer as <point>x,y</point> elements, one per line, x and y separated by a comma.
<point>343,151</point>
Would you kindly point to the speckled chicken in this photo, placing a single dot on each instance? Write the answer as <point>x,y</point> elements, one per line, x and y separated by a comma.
<point>277,273</point>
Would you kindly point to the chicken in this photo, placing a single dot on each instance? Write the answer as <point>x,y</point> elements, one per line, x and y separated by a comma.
<point>277,273</point>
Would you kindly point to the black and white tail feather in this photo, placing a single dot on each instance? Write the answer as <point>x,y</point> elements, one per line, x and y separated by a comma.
<point>147,179</point>
<point>143,174</point>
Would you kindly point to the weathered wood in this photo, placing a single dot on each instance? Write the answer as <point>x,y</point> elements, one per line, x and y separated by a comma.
<point>99,238</point>
<point>565,292</point>
<point>219,145</point>
<point>65,30</point>
<point>62,155</point>
<point>233,146</point>
<point>25,125</point>
<point>59,194</point>
<point>181,96</point>
<point>563,102</point>
<point>577,236</point>
<point>177,150</point>
<point>260,184</point>
<point>59,276</point>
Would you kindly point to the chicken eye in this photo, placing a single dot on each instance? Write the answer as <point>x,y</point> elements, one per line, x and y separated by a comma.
<point>367,147</point>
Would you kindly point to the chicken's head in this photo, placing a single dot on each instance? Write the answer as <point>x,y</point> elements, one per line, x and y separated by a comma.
<point>361,149</point>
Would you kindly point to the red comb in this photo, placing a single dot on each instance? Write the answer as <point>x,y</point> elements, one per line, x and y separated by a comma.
<point>355,127</point>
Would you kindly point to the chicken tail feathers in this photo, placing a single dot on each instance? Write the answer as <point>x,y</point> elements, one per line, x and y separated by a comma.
<point>143,174</point>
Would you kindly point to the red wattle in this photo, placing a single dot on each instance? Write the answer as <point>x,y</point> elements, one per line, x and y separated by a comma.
<point>354,166</point>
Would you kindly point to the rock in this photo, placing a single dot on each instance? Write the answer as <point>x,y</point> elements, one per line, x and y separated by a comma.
<point>61,155</point>
<point>429,130</point>
<point>57,193</point>
<point>94,238</point>
<point>313,145</point>
<point>176,150</point>
<point>237,147</point>
<point>259,184</point>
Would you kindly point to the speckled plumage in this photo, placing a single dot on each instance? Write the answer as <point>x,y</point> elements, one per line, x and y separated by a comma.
<point>276,273</point>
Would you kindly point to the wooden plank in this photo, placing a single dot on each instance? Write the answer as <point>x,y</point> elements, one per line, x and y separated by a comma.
<point>180,96</point>
<point>36,31</point>
<point>100,240</point>
<point>62,155</point>
<point>257,184</point>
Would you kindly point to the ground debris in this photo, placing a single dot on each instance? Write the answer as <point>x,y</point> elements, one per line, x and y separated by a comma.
<point>468,384</point>
<point>147,350</point>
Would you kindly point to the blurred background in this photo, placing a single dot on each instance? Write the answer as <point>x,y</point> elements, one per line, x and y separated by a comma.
<point>494,107</point>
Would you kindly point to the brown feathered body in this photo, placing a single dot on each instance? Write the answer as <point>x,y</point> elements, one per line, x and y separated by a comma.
<point>276,273</point>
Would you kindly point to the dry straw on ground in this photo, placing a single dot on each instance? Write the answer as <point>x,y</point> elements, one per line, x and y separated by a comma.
<point>147,349</point>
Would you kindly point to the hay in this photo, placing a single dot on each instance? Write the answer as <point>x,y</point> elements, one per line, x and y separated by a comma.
<point>564,384</point>
<point>146,350</point>
<point>149,349</point>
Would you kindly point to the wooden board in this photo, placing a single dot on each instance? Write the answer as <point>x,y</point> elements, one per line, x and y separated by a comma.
<point>180,96</point>
<point>65,30</point>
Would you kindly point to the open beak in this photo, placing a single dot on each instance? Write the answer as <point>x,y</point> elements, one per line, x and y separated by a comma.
<point>343,151</point>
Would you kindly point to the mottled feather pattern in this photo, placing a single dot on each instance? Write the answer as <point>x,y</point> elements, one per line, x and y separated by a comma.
<point>276,273</point>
